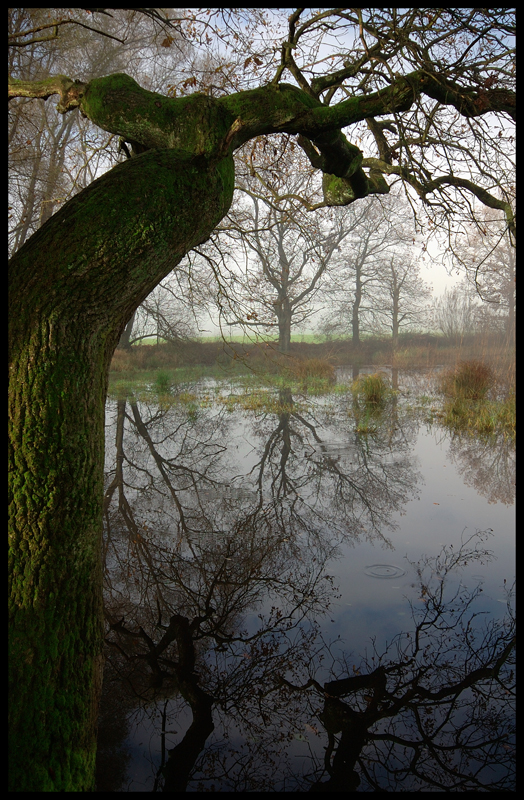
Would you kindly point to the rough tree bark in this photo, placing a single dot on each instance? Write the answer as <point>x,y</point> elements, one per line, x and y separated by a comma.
<point>73,287</point>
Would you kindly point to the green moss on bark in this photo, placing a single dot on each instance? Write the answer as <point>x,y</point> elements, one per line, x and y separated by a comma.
<point>73,286</point>
<point>193,125</point>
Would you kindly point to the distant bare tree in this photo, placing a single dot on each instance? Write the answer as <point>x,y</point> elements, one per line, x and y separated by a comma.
<point>376,284</point>
<point>402,300</point>
<point>163,314</point>
<point>278,254</point>
<point>485,252</point>
<point>455,312</point>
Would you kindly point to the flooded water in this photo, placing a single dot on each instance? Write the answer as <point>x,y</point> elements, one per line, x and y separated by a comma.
<point>306,599</point>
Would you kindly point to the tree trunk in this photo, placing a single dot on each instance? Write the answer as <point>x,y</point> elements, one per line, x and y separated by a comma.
<point>74,285</point>
<point>355,318</point>
<point>284,315</point>
<point>395,328</point>
<point>395,309</point>
<point>510,319</point>
<point>124,342</point>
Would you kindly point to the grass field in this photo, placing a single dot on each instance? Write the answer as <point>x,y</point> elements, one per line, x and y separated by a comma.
<point>244,338</point>
<point>248,338</point>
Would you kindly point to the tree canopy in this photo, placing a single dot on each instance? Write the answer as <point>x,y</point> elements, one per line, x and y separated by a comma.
<point>427,93</point>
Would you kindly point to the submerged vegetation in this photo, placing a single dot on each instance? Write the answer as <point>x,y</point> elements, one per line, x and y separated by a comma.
<point>474,401</point>
<point>372,388</point>
<point>477,393</point>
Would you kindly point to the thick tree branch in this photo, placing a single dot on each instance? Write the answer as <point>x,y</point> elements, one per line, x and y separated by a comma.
<point>430,186</point>
<point>70,91</point>
<point>199,125</point>
<point>469,101</point>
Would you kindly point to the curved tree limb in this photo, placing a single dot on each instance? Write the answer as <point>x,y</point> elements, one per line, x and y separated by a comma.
<point>70,91</point>
<point>423,189</point>
<point>200,125</point>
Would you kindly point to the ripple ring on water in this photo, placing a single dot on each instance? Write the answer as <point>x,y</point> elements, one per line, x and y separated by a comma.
<point>384,571</point>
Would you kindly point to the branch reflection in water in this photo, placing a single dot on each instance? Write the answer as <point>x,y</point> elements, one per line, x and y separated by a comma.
<point>219,533</point>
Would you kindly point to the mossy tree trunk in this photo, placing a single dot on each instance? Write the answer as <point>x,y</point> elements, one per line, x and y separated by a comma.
<point>74,286</point>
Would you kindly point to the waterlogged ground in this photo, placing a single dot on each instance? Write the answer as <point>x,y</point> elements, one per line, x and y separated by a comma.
<point>305,594</point>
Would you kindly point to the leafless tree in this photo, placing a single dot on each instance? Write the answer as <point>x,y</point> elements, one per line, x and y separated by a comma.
<point>376,285</point>
<point>399,301</point>
<point>485,253</point>
<point>455,312</point>
<point>286,256</point>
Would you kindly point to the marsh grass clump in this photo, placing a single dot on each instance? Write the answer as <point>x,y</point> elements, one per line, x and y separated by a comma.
<point>315,368</point>
<point>372,389</point>
<point>312,374</point>
<point>470,380</point>
<point>483,417</point>
<point>468,406</point>
<point>162,382</point>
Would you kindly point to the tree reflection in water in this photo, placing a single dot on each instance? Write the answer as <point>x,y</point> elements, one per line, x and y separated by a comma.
<point>487,464</point>
<point>434,711</point>
<point>216,587</point>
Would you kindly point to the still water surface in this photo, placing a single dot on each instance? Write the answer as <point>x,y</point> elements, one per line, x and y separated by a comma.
<point>294,605</point>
